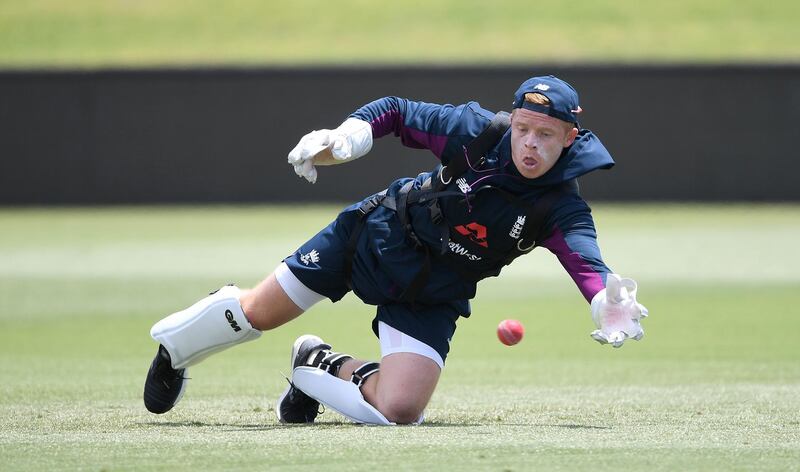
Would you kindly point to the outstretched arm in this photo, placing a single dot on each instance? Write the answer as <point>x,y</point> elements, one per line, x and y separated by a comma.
<point>442,129</point>
<point>615,311</point>
<point>574,243</point>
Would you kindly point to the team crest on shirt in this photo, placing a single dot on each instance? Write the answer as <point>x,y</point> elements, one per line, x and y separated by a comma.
<point>516,230</point>
<point>312,256</point>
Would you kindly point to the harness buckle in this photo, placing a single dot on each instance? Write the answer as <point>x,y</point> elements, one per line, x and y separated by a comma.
<point>441,176</point>
<point>526,249</point>
<point>365,208</point>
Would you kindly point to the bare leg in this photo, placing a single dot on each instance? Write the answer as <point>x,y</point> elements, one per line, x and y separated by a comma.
<point>402,388</point>
<point>267,306</point>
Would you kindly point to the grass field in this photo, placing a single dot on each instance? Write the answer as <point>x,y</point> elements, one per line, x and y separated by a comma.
<point>92,33</point>
<point>714,385</point>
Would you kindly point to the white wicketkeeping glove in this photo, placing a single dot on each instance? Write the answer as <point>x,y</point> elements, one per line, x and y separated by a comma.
<point>351,140</point>
<point>616,313</point>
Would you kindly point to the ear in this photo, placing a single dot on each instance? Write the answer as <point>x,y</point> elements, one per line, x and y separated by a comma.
<point>570,137</point>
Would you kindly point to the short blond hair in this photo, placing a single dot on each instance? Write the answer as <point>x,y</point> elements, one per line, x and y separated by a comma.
<point>537,98</point>
<point>540,99</point>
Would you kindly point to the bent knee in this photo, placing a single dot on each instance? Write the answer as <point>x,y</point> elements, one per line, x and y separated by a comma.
<point>402,412</point>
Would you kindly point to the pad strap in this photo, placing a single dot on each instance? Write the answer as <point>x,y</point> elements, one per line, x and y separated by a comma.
<point>329,361</point>
<point>361,374</point>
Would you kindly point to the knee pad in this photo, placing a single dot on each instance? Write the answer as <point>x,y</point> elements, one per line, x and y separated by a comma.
<point>319,382</point>
<point>211,325</point>
<point>339,395</point>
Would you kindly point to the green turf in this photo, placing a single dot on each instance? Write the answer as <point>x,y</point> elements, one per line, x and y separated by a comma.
<point>714,385</point>
<point>91,33</point>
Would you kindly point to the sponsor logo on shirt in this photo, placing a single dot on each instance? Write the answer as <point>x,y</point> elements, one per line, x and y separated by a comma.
<point>476,233</point>
<point>460,250</point>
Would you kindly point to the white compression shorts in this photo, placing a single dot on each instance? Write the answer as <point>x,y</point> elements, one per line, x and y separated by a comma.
<point>301,295</point>
<point>392,340</point>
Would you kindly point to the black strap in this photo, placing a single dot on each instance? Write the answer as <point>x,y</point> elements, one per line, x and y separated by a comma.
<point>402,211</point>
<point>330,361</point>
<point>400,204</point>
<point>420,279</point>
<point>361,374</point>
<point>478,147</point>
<point>366,207</point>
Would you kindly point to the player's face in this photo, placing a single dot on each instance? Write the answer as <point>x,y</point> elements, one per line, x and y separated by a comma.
<point>537,141</point>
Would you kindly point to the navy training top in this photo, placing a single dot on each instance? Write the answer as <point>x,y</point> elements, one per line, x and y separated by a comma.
<point>488,220</point>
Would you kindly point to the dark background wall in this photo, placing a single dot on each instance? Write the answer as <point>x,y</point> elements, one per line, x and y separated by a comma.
<point>678,133</point>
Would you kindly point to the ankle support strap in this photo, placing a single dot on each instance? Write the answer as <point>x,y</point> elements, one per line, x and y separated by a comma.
<point>361,374</point>
<point>329,361</point>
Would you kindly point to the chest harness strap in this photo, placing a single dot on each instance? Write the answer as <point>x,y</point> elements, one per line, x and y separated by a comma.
<point>433,188</point>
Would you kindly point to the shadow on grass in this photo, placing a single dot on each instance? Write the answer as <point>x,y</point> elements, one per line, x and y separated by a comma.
<point>575,426</point>
<point>437,424</point>
<point>238,427</point>
<point>269,426</point>
<point>339,424</point>
<point>244,427</point>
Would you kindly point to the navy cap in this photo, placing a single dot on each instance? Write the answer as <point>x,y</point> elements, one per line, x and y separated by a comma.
<point>563,97</point>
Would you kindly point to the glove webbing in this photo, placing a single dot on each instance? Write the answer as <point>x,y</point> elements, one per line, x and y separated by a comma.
<point>361,374</point>
<point>329,361</point>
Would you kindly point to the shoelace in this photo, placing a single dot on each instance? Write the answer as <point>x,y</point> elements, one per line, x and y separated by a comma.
<point>302,400</point>
<point>164,373</point>
<point>168,385</point>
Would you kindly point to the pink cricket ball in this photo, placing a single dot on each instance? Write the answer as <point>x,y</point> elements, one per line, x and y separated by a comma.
<point>510,332</point>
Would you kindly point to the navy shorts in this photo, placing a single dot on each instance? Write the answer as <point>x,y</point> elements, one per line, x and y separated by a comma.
<point>319,265</point>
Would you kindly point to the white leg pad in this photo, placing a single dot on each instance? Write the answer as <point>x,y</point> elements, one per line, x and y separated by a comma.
<point>337,394</point>
<point>213,324</point>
